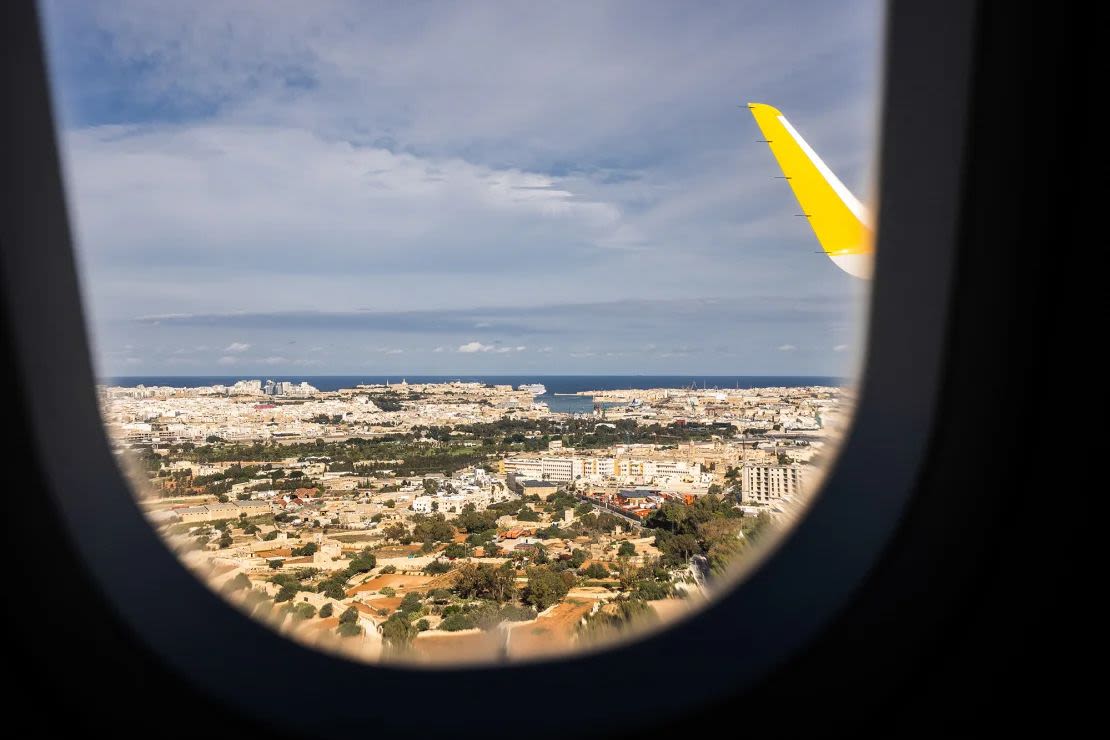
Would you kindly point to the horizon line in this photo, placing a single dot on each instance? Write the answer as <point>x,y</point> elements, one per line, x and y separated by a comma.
<point>245,376</point>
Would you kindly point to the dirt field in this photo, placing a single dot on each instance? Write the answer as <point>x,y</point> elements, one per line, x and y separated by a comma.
<point>456,647</point>
<point>384,604</point>
<point>551,634</point>
<point>397,551</point>
<point>280,552</point>
<point>669,609</point>
<point>402,584</point>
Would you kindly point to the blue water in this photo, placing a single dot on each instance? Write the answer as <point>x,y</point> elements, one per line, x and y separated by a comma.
<point>553,383</point>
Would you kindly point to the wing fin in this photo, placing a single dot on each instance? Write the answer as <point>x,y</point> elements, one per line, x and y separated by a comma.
<point>840,221</point>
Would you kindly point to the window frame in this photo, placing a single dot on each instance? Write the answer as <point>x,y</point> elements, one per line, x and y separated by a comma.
<point>732,643</point>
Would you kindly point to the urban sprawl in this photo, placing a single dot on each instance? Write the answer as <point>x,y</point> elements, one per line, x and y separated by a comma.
<point>466,521</point>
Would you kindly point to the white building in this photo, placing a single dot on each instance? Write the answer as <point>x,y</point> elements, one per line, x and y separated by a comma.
<point>555,469</point>
<point>761,484</point>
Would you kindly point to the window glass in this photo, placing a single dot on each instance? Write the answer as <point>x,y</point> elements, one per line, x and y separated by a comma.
<point>463,332</point>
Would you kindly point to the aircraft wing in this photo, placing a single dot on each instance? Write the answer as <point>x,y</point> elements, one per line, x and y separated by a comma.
<point>841,223</point>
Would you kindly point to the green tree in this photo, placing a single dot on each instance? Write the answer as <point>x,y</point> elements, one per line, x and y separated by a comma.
<point>437,567</point>
<point>349,629</point>
<point>722,540</point>
<point>397,632</point>
<point>485,581</point>
<point>396,531</point>
<point>650,590</point>
<point>596,570</point>
<point>308,549</point>
<point>303,611</point>
<point>412,603</point>
<point>433,528</point>
<point>286,593</point>
<point>626,549</point>
<point>456,550</point>
<point>327,610</point>
<point>334,588</point>
<point>456,622</point>
<point>364,562</point>
<point>545,588</point>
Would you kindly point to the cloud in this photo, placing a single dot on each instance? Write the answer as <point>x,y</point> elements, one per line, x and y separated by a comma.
<point>787,348</point>
<point>205,195</point>
<point>229,360</point>
<point>237,347</point>
<point>840,348</point>
<point>471,347</point>
<point>231,175</point>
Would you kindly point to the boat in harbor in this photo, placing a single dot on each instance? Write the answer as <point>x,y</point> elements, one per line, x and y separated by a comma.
<point>536,389</point>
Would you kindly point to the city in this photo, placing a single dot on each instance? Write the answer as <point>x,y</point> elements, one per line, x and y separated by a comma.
<point>467,521</point>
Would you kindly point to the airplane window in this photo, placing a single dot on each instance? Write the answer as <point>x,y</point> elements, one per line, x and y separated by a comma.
<point>451,333</point>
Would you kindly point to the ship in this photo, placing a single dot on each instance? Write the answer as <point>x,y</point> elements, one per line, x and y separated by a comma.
<point>536,389</point>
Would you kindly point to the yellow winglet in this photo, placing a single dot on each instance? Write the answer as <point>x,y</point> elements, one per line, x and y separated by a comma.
<point>839,220</point>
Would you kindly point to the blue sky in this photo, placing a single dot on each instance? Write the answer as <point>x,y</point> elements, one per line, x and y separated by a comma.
<point>309,188</point>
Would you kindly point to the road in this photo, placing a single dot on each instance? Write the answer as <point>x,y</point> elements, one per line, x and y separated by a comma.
<point>616,512</point>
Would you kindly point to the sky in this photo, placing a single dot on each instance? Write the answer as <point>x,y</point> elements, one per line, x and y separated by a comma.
<point>289,188</point>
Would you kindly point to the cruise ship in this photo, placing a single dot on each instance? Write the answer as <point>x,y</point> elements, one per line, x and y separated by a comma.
<point>536,389</point>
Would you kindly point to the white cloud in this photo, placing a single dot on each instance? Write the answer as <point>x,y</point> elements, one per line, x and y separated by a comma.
<point>252,141</point>
<point>840,348</point>
<point>205,195</point>
<point>787,348</point>
<point>228,360</point>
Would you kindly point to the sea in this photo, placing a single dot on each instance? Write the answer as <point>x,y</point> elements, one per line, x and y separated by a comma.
<point>556,385</point>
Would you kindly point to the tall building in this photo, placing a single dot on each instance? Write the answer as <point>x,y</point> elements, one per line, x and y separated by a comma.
<point>567,469</point>
<point>762,484</point>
